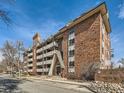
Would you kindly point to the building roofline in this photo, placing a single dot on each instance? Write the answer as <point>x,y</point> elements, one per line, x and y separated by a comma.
<point>102,8</point>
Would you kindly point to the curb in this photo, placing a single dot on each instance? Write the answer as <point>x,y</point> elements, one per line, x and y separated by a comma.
<point>64,82</point>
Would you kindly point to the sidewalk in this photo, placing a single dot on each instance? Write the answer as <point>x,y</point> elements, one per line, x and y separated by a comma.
<point>69,82</point>
<point>57,79</point>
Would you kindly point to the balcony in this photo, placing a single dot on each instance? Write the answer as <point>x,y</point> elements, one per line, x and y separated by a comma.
<point>43,70</point>
<point>47,46</point>
<point>31,59</point>
<point>30,70</point>
<point>30,54</point>
<point>25,66</point>
<point>44,62</point>
<point>39,63</point>
<point>46,54</point>
<point>30,65</point>
<point>25,61</point>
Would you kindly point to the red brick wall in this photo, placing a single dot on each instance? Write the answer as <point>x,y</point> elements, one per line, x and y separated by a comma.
<point>65,52</point>
<point>87,44</point>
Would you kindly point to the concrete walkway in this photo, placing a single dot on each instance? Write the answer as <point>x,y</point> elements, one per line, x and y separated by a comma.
<point>57,79</point>
<point>68,82</point>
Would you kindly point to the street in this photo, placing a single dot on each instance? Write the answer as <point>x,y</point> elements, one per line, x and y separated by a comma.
<point>9,85</point>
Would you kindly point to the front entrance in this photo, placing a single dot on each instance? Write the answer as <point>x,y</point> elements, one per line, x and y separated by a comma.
<point>58,70</point>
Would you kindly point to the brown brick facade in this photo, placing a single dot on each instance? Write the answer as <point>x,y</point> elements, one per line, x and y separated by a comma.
<point>87,44</point>
<point>65,53</point>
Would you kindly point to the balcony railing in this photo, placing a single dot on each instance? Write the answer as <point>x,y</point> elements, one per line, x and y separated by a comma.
<point>45,55</point>
<point>30,65</point>
<point>44,62</point>
<point>30,70</point>
<point>30,54</point>
<point>43,70</point>
<point>31,59</point>
<point>47,46</point>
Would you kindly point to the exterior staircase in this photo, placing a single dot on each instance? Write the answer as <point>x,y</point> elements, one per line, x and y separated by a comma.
<point>59,56</point>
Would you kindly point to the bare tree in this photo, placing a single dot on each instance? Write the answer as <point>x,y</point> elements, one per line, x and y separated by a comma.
<point>4,14</point>
<point>12,54</point>
<point>3,66</point>
<point>121,61</point>
<point>88,72</point>
<point>20,50</point>
<point>112,64</point>
<point>9,53</point>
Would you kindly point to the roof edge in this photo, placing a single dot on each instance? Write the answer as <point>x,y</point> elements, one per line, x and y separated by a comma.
<point>102,7</point>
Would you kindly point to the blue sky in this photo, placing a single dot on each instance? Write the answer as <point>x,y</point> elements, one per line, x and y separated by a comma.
<point>48,16</point>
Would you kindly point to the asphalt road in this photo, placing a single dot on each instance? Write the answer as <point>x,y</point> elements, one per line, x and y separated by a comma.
<point>9,85</point>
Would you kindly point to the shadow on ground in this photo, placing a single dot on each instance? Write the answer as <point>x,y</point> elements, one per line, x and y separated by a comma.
<point>10,85</point>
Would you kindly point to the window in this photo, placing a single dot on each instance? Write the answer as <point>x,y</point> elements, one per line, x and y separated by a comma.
<point>71,42</point>
<point>71,31</point>
<point>71,64</point>
<point>71,53</point>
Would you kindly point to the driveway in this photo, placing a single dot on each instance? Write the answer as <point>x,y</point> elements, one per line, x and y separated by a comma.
<point>10,85</point>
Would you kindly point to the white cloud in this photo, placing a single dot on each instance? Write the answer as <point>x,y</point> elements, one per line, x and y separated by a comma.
<point>121,11</point>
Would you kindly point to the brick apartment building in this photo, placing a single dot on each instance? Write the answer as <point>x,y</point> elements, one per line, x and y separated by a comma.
<point>83,41</point>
